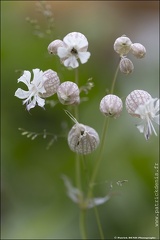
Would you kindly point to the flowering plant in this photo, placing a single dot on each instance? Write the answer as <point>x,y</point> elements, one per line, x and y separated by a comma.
<point>82,139</point>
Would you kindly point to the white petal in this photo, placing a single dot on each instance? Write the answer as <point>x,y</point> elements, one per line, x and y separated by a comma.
<point>157,103</point>
<point>157,119</point>
<point>140,128</point>
<point>20,93</point>
<point>69,41</point>
<point>144,129</point>
<point>38,78</point>
<point>84,56</point>
<point>25,78</point>
<point>71,62</point>
<point>82,43</point>
<point>72,192</point>
<point>40,101</point>
<point>32,104</point>
<point>62,52</point>
<point>97,201</point>
<point>76,39</point>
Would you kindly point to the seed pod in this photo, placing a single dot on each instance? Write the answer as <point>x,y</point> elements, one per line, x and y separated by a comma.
<point>126,66</point>
<point>68,93</point>
<point>111,106</point>
<point>53,46</point>
<point>122,45</point>
<point>134,99</point>
<point>82,138</point>
<point>138,50</point>
<point>51,83</point>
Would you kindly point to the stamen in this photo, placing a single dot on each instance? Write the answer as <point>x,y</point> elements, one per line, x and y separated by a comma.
<point>74,51</point>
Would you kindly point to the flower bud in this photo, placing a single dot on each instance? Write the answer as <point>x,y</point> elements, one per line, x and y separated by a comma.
<point>83,139</point>
<point>122,45</point>
<point>126,66</point>
<point>134,99</point>
<point>68,93</point>
<point>138,50</point>
<point>53,46</point>
<point>111,105</point>
<point>51,83</point>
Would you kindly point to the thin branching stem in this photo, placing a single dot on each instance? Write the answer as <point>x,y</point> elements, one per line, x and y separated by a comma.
<point>100,157</point>
<point>104,132</point>
<point>114,80</point>
<point>76,112</point>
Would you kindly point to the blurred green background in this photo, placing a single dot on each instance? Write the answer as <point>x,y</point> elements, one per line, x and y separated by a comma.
<point>34,201</point>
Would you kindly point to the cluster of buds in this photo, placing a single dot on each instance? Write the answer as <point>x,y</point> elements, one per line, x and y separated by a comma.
<point>123,46</point>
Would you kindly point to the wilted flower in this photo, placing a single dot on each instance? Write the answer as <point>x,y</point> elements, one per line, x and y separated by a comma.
<point>78,197</point>
<point>139,103</point>
<point>75,47</point>
<point>35,89</point>
<point>122,45</point>
<point>138,50</point>
<point>126,66</point>
<point>68,93</point>
<point>111,105</point>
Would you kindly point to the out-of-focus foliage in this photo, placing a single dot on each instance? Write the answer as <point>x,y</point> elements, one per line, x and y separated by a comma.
<point>34,200</point>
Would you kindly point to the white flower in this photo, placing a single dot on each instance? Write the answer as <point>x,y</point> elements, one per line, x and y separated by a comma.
<point>35,88</point>
<point>148,112</point>
<point>75,47</point>
<point>139,103</point>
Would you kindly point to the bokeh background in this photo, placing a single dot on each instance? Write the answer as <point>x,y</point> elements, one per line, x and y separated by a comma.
<point>34,200</point>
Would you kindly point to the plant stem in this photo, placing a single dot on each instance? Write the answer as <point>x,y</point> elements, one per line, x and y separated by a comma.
<point>98,222</point>
<point>78,167</point>
<point>114,80</point>
<point>78,174</point>
<point>76,112</point>
<point>104,131</point>
<point>100,156</point>
<point>95,208</point>
<point>105,127</point>
<point>82,223</point>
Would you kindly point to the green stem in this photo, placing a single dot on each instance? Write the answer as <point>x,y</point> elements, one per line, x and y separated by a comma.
<point>98,223</point>
<point>78,167</point>
<point>78,174</point>
<point>95,208</point>
<point>84,161</point>
<point>83,224</point>
<point>104,131</point>
<point>76,112</point>
<point>114,80</point>
<point>99,158</point>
